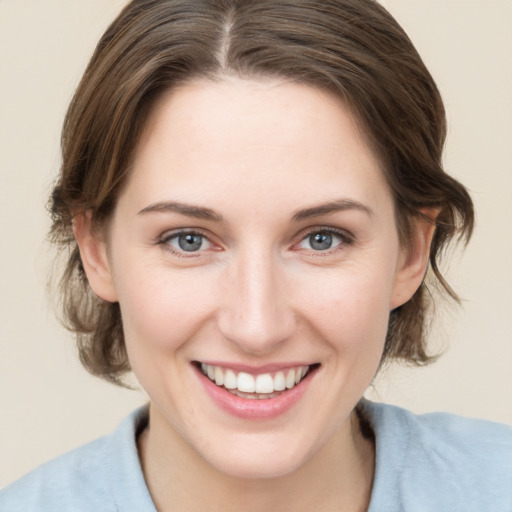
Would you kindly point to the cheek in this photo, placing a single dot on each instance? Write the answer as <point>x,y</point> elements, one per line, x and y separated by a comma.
<point>351,310</point>
<point>161,315</point>
<point>160,309</point>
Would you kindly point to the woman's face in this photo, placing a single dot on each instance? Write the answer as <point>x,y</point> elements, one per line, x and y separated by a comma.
<point>254,241</point>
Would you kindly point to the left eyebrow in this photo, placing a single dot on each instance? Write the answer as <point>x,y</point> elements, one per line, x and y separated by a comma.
<point>331,207</point>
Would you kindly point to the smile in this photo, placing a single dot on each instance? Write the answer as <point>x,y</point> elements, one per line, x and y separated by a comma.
<point>255,394</point>
<point>261,386</point>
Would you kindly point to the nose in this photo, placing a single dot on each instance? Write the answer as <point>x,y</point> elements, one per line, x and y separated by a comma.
<point>256,314</point>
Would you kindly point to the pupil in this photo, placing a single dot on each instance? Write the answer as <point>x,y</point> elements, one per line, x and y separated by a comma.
<point>190,242</point>
<point>321,241</point>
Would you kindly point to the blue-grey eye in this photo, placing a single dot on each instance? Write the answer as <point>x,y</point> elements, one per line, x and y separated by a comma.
<point>321,241</point>
<point>189,242</point>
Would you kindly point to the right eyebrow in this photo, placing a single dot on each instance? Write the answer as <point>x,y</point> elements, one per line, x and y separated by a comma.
<point>189,210</point>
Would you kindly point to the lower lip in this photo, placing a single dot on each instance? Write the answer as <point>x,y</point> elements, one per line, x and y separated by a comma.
<point>254,409</point>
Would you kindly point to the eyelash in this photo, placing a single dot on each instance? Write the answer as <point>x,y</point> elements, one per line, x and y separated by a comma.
<point>345,237</point>
<point>165,240</point>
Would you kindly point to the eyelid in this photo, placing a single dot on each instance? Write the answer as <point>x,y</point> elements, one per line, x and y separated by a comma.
<point>171,233</point>
<point>164,239</point>
<point>346,237</point>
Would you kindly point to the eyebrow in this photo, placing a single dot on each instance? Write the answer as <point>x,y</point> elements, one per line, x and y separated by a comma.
<point>331,207</point>
<point>189,210</point>
<point>200,212</point>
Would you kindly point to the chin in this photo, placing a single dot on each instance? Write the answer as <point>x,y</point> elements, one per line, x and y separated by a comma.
<point>257,466</point>
<point>251,458</point>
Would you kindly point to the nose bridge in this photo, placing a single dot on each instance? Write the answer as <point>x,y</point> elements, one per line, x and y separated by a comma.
<point>256,314</point>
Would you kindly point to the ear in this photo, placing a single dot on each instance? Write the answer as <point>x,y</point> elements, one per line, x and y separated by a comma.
<point>414,259</point>
<point>93,252</point>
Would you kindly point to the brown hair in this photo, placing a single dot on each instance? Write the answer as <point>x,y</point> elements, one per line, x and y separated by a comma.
<point>352,48</point>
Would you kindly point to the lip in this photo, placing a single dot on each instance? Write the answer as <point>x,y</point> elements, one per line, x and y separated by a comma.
<point>255,409</point>
<point>257,370</point>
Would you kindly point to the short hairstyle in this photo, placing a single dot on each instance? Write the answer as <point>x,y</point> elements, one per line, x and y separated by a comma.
<point>353,49</point>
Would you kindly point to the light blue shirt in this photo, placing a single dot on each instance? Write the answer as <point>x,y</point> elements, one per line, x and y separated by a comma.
<point>429,463</point>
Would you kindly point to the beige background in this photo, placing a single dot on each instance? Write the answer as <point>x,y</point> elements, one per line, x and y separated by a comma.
<point>50,405</point>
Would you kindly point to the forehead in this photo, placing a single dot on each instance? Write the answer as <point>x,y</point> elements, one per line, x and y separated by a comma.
<point>284,110</point>
<point>287,138</point>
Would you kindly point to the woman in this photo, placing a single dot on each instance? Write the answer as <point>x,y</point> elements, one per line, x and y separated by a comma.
<point>251,194</point>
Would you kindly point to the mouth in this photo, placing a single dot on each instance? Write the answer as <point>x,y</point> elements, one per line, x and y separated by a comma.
<point>255,394</point>
<point>256,386</point>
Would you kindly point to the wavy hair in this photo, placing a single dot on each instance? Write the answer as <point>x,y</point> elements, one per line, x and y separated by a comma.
<point>352,48</point>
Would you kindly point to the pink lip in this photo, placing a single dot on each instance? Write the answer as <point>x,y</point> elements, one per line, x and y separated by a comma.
<point>257,370</point>
<point>254,409</point>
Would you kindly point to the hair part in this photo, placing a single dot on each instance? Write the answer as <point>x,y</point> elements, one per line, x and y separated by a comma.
<point>352,48</point>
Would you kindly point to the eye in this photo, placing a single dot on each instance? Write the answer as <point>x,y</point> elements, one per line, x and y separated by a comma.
<point>322,240</point>
<point>187,242</point>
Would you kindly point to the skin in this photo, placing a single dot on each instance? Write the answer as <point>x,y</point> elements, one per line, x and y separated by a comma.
<point>254,152</point>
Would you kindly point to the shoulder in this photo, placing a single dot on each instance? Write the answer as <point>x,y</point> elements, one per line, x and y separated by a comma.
<point>76,474</point>
<point>95,477</point>
<point>440,461</point>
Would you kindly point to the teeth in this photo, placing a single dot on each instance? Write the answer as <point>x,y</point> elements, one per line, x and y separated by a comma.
<point>264,383</point>
<point>261,386</point>
<point>219,376</point>
<point>230,380</point>
<point>290,379</point>
<point>279,383</point>
<point>253,396</point>
<point>246,383</point>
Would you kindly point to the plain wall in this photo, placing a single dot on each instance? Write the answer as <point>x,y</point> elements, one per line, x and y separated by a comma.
<point>50,405</point>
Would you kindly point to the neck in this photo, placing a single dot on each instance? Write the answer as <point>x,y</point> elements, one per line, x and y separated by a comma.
<point>339,476</point>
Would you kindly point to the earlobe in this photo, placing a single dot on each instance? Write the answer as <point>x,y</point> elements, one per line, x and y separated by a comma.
<point>93,252</point>
<point>414,260</point>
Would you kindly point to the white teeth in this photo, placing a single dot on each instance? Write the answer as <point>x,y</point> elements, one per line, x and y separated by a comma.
<point>230,379</point>
<point>246,383</point>
<point>279,383</point>
<point>219,376</point>
<point>261,386</point>
<point>290,379</point>
<point>264,383</point>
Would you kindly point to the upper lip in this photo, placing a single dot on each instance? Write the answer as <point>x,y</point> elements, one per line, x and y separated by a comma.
<point>256,369</point>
